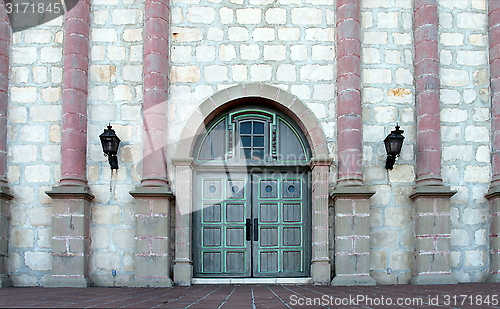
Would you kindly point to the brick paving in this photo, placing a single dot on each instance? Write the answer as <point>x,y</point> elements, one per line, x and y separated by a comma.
<point>476,295</point>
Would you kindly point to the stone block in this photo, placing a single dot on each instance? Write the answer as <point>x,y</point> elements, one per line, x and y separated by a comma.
<point>21,238</point>
<point>68,265</point>
<point>238,34</point>
<point>306,16</point>
<point>276,16</point>
<point>264,34</point>
<point>152,266</point>
<point>38,261</point>
<point>126,17</point>
<point>250,16</point>
<point>106,214</point>
<point>158,226</point>
<point>104,35</point>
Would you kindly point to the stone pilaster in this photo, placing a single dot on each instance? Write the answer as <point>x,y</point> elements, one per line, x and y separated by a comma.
<point>432,235</point>
<point>494,192</point>
<point>70,236</point>
<point>5,197</point>
<point>183,263</point>
<point>152,236</point>
<point>494,197</point>
<point>320,267</point>
<point>352,236</point>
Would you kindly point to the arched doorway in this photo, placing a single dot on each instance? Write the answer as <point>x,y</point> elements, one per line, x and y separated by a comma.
<point>251,195</point>
<point>184,185</point>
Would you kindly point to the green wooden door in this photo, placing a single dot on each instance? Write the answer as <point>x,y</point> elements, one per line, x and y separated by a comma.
<point>281,225</point>
<point>251,225</point>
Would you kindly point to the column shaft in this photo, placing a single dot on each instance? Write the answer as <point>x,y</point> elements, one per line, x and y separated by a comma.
<point>349,123</point>
<point>75,95</point>
<point>427,92</point>
<point>155,107</point>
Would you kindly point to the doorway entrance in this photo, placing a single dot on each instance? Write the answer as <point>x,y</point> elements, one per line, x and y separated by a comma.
<point>251,197</point>
<point>252,225</point>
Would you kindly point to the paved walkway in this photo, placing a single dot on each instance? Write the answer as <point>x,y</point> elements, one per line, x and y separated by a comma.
<point>477,295</point>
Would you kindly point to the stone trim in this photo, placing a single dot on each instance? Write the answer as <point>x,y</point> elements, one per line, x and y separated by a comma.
<point>71,192</point>
<point>283,101</point>
<point>349,122</point>
<point>75,95</point>
<point>152,192</point>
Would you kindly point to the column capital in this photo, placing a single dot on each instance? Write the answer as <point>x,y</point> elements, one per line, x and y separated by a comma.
<point>432,191</point>
<point>353,192</point>
<point>5,193</point>
<point>70,192</point>
<point>326,161</point>
<point>493,192</point>
<point>152,192</point>
<point>183,162</point>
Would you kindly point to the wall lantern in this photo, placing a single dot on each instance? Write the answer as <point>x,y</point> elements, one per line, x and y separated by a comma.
<point>393,144</point>
<point>110,143</point>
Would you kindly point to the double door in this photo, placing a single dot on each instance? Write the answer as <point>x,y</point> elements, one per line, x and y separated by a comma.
<point>251,225</point>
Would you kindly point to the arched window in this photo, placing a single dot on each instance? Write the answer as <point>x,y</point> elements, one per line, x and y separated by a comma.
<point>253,136</point>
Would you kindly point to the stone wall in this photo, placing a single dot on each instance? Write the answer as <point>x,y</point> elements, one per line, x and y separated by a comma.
<point>216,44</point>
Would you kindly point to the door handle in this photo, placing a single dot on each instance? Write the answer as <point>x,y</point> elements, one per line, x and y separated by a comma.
<point>255,229</point>
<point>248,229</point>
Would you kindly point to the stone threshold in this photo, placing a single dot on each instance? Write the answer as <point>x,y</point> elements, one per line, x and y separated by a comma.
<point>251,281</point>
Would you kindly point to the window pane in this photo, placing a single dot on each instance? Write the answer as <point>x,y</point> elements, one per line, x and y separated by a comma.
<point>246,141</point>
<point>258,141</point>
<point>258,154</point>
<point>246,127</point>
<point>258,128</point>
<point>246,153</point>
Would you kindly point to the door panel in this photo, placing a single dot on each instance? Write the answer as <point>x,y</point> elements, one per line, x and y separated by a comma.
<point>254,225</point>
<point>219,226</point>
<point>281,248</point>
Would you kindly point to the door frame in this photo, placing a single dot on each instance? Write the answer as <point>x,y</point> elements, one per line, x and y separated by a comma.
<point>320,163</point>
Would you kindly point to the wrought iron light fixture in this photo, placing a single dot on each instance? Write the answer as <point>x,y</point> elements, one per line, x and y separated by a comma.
<point>110,143</point>
<point>393,144</point>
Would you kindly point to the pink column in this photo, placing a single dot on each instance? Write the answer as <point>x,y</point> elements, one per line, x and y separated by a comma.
<point>494,192</point>
<point>349,93</point>
<point>494,19</point>
<point>75,93</point>
<point>5,195</point>
<point>155,106</point>
<point>4,88</point>
<point>427,92</point>
<point>431,199</point>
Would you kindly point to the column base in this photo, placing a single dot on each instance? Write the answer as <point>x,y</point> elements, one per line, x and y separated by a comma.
<point>353,280</point>
<point>493,278</point>
<point>321,272</point>
<point>183,273</point>
<point>151,282</point>
<point>70,282</point>
<point>6,282</point>
<point>433,279</point>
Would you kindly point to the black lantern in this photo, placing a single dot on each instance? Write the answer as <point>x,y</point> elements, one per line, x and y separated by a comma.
<point>393,144</point>
<point>110,143</point>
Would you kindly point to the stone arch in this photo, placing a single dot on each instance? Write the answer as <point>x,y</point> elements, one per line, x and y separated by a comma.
<point>320,171</point>
<point>283,101</point>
